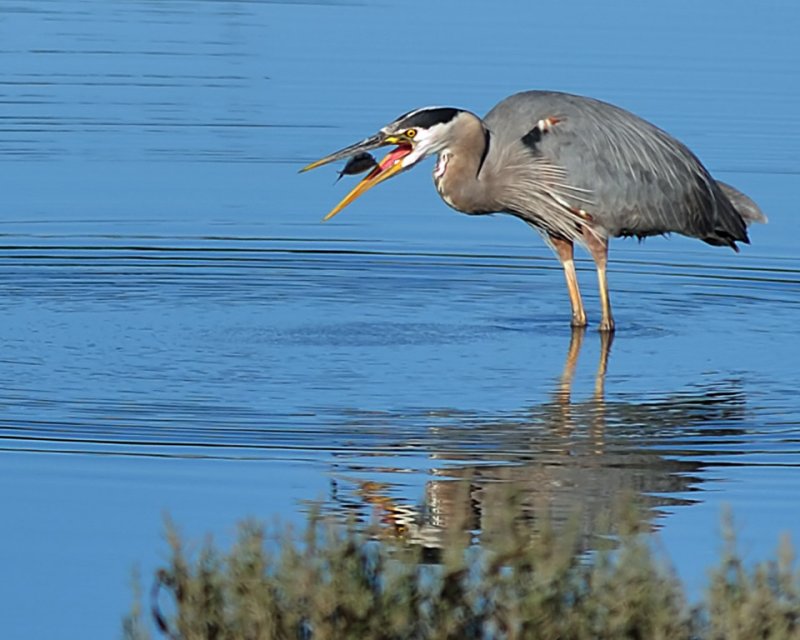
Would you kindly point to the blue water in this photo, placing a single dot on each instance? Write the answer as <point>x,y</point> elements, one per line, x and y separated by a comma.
<point>182,336</point>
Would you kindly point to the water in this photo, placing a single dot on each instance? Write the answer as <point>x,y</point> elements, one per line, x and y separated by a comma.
<point>182,336</point>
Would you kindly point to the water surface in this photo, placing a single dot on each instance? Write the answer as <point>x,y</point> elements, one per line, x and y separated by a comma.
<point>182,336</point>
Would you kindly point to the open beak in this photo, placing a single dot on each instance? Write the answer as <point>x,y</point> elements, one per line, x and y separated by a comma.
<point>390,165</point>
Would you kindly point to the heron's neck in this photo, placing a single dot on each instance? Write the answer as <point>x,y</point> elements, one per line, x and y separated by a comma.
<point>459,168</point>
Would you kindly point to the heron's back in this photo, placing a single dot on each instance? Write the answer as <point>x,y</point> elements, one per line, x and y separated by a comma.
<point>640,180</point>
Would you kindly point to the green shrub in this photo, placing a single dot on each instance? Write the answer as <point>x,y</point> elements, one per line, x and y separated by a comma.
<point>339,582</point>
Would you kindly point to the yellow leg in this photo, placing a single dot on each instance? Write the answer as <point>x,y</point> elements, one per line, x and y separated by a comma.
<point>564,251</point>
<point>599,250</point>
<point>607,322</point>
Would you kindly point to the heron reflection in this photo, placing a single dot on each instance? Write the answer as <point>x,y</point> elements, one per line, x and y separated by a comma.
<point>558,457</point>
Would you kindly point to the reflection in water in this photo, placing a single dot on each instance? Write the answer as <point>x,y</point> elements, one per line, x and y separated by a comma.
<point>558,458</point>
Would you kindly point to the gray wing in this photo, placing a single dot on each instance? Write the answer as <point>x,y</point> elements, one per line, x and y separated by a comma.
<point>638,179</point>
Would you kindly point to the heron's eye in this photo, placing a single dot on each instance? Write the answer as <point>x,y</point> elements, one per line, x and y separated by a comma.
<point>410,133</point>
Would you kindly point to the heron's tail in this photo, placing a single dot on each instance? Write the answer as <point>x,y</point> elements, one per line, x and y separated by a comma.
<point>744,205</point>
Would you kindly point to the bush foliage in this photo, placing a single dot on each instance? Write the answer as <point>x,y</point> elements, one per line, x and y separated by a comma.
<point>340,582</point>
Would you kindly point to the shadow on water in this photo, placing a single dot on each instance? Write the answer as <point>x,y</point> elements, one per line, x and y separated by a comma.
<point>559,458</point>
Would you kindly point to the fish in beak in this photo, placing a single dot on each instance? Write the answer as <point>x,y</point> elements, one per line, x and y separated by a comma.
<point>359,163</point>
<point>390,165</point>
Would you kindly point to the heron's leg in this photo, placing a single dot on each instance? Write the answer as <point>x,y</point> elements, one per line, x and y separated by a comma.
<point>564,251</point>
<point>598,247</point>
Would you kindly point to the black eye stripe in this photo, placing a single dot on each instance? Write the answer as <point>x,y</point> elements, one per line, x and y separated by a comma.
<point>427,118</point>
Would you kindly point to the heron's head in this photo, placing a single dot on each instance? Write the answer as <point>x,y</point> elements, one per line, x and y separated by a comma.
<point>416,135</point>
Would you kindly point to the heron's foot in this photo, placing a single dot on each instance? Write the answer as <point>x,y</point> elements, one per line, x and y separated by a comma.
<point>578,321</point>
<point>606,325</point>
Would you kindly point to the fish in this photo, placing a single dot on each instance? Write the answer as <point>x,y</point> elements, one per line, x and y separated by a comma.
<point>359,163</point>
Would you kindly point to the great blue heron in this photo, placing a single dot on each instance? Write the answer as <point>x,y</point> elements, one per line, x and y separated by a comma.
<point>574,168</point>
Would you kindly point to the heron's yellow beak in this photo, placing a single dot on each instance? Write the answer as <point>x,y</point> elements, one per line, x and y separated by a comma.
<point>391,165</point>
